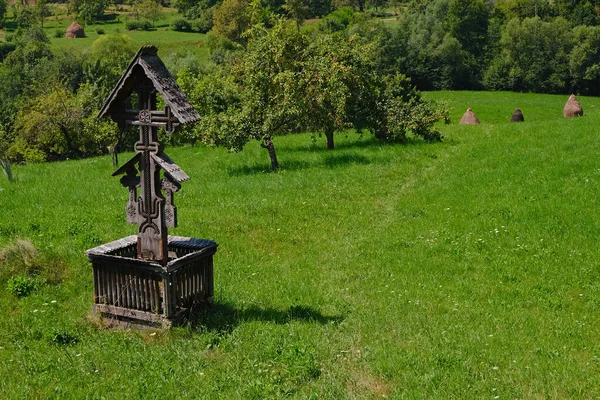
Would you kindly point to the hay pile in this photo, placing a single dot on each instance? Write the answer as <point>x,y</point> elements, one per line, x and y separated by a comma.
<point>469,118</point>
<point>572,108</point>
<point>75,31</point>
<point>517,116</point>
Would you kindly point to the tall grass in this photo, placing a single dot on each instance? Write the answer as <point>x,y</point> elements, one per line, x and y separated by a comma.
<point>463,269</point>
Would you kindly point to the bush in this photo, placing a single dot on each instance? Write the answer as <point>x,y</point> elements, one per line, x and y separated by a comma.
<point>5,49</point>
<point>100,31</point>
<point>58,34</point>
<point>22,285</point>
<point>338,20</point>
<point>204,23</point>
<point>138,25</point>
<point>181,25</point>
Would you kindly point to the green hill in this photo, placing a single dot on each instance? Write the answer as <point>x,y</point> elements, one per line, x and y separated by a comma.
<point>462,269</point>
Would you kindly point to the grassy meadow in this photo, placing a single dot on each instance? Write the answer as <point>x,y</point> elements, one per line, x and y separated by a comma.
<point>162,36</point>
<point>463,269</point>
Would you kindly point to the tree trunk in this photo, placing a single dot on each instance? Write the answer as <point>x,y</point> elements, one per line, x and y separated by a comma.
<point>329,136</point>
<point>268,144</point>
<point>115,155</point>
<point>5,163</point>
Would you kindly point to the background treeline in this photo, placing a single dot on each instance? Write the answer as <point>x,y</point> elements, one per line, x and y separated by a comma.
<point>519,45</point>
<point>49,99</point>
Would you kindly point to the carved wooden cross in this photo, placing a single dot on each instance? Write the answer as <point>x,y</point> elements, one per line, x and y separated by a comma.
<point>151,210</point>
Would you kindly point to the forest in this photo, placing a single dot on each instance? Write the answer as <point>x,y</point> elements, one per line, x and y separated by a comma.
<point>278,67</point>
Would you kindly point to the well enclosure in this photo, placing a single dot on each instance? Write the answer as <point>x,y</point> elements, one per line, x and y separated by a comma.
<point>140,291</point>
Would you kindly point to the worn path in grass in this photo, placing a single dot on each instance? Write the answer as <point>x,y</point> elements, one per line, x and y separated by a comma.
<point>464,269</point>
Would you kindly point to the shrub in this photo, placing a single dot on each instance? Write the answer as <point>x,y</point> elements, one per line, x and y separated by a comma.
<point>181,25</point>
<point>100,31</point>
<point>22,285</point>
<point>338,20</point>
<point>138,25</point>
<point>5,49</point>
<point>58,34</point>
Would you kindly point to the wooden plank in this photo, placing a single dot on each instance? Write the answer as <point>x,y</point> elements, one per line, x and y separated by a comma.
<point>128,290</point>
<point>128,313</point>
<point>109,284</point>
<point>209,279</point>
<point>96,293</point>
<point>149,294</point>
<point>143,292</point>
<point>157,295</point>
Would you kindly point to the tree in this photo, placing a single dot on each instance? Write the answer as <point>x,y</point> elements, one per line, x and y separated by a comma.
<point>534,56</point>
<point>468,22</point>
<point>5,142</point>
<point>108,57</point>
<point>3,7</point>
<point>89,10</point>
<point>298,10</point>
<point>584,60</point>
<point>42,11</point>
<point>284,83</point>
<point>231,19</point>
<point>150,10</point>
<point>47,128</point>
<point>525,9</point>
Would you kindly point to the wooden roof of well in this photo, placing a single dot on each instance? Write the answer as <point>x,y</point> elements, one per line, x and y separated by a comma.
<point>146,63</point>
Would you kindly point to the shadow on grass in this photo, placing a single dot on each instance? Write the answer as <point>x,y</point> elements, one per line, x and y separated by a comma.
<point>330,160</point>
<point>322,148</point>
<point>223,318</point>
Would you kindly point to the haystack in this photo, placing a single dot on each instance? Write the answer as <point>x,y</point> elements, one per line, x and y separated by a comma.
<point>517,116</point>
<point>469,118</point>
<point>572,108</point>
<point>75,31</point>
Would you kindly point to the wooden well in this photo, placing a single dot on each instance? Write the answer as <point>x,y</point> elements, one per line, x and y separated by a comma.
<point>150,278</point>
<point>128,289</point>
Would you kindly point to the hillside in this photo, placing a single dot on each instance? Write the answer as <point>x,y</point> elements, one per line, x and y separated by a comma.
<point>461,269</point>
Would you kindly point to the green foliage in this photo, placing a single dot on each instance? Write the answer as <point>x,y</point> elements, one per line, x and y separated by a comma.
<point>286,83</point>
<point>181,25</point>
<point>405,112</point>
<point>468,22</point>
<point>192,8</point>
<point>232,19</point>
<point>22,286</point>
<point>534,56</point>
<point>338,20</point>
<point>3,8</point>
<point>584,60</point>
<point>298,10</point>
<point>204,22</point>
<point>525,9</point>
<point>25,16</point>
<point>149,10</point>
<point>6,48</point>
<point>89,10</point>
<point>135,25</point>
<point>109,56</point>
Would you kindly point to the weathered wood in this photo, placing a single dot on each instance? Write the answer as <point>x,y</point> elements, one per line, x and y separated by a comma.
<point>150,276</point>
<point>128,313</point>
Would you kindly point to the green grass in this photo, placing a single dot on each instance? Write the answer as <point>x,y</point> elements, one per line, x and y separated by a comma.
<point>463,269</point>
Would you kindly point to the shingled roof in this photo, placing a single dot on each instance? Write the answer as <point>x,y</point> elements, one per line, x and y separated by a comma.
<point>147,64</point>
